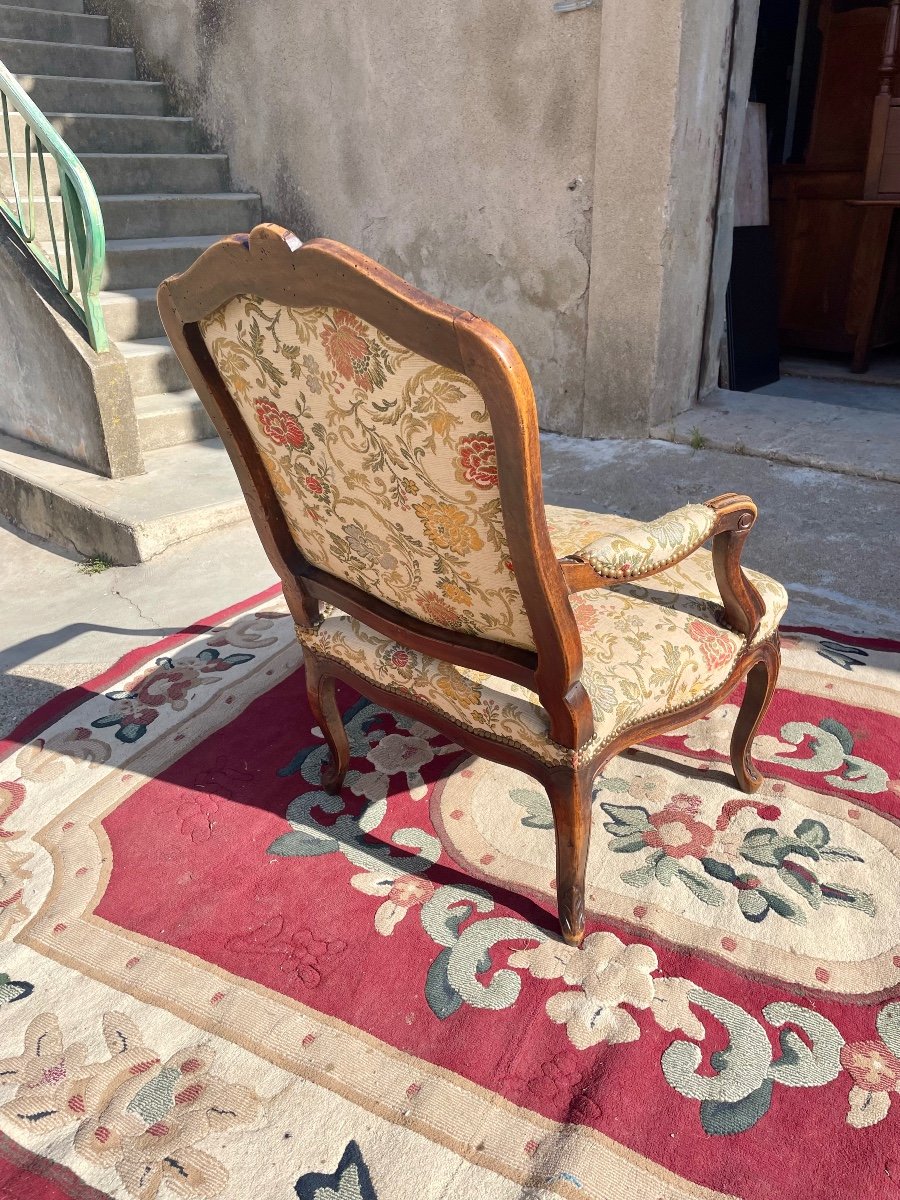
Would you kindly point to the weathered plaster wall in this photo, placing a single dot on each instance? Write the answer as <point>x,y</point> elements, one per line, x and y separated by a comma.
<point>663,73</point>
<point>556,173</point>
<point>452,141</point>
<point>55,392</point>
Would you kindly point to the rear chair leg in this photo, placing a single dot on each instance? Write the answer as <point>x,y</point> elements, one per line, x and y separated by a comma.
<point>320,692</point>
<point>761,680</point>
<point>569,790</point>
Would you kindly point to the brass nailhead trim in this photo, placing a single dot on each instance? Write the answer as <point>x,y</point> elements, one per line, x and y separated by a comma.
<point>479,730</point>
<point>663,712</point>
<point>576,757</point>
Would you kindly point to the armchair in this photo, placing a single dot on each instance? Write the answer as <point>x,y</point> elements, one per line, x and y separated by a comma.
<point>388,448</point>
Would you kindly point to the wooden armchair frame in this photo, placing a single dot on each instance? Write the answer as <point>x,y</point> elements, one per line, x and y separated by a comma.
<point>271,263</point>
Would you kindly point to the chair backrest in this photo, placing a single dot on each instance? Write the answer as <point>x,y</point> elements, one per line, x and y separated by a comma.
<point>384,461</point>
<point>388,448</point>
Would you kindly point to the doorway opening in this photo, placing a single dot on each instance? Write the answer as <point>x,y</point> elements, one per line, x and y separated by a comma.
<point>814,298</point>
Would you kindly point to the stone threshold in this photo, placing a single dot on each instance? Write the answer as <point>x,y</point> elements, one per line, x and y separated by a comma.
<point>802,433</point>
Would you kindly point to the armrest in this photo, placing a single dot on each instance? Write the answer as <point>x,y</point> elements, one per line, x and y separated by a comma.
<point>652,546</point>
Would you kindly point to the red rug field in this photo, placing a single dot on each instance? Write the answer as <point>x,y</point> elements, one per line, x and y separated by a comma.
<point>217,980</point>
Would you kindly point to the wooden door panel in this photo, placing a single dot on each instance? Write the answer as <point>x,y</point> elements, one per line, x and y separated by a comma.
<point>889,177</point>
<point>816,234</point>
<point>848,83</point>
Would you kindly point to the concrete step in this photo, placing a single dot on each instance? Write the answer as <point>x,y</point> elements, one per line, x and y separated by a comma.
<point>61,58</point>
<point>134,174</point>
<point>787,429</point>
<point>68,6</point>
<point>138,174</point>
<point>152,216</point>
<point>131,315</point>
<point>187,490</point>
<point>172,419</point>
<point>66,93</point>
<point>79,29</point>
<point>153,366</point>
<point>114,134</point>
<point>146,262</point>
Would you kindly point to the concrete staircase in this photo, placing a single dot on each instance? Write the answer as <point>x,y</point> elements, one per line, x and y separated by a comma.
<point>164,200</point>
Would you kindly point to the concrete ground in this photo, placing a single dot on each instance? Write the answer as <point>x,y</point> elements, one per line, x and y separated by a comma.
<point>819,433</point>
<point>827,536</point>
<point>60,626</point>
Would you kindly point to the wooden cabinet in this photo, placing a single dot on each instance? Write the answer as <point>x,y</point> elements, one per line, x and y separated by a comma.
<point>832,216</point>
<point>816,237</point>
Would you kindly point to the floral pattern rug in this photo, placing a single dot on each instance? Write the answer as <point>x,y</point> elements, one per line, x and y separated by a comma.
<point>218,980</point>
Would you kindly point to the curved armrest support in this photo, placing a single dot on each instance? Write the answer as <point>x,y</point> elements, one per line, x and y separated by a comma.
<point>744,606</point>
<point>653,546</point>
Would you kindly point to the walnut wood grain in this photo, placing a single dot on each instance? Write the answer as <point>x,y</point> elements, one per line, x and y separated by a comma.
<point>322,702</point>
<point>572,832</point>
<point>744,607</point>
<point>762,675</point>
<point>570,790</point>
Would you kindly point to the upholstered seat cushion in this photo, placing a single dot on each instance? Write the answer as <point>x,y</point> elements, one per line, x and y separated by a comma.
<point>649,648</point>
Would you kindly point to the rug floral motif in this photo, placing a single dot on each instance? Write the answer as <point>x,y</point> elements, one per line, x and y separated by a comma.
<point>218,980</point>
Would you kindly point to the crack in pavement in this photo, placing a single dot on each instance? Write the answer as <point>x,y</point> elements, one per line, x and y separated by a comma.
<point>137,608</point>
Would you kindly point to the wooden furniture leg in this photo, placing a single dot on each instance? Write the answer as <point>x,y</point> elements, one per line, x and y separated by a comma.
<point>761,680</point>
<point>320,691</point>
<point>865,282</point>
<point>570,791</point>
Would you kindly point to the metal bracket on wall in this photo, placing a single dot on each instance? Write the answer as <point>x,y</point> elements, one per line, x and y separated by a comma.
<point>562,6</point>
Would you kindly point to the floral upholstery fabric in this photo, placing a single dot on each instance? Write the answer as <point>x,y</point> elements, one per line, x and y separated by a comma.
<point>383,461</point>
<point>647,547</point>
<point>647,649</point>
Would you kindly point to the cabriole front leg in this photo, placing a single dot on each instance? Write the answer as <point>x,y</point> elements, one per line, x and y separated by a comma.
<point>761,680</point>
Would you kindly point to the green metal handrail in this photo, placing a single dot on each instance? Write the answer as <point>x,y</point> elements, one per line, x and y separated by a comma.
<point>79,247</point>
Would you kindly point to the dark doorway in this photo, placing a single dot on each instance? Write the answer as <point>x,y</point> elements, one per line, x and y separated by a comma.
<point>826,81</point>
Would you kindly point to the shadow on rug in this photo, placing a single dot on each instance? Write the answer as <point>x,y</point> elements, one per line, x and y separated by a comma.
<point>218,980</point>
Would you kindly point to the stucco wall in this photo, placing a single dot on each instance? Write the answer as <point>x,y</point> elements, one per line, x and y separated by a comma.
<point>663,75</point>
<point>452,141</point>
<point>558,174</point>
<point>55,392</point>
